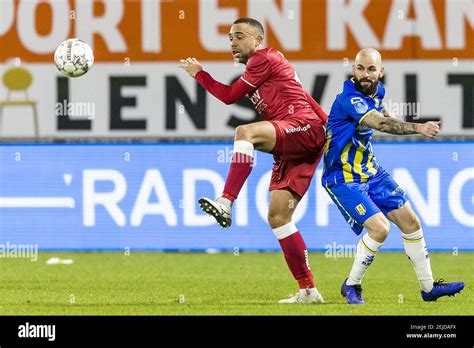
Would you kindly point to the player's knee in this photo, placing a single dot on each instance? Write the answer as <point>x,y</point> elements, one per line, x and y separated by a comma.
<point>383,229</point>
<point>243,133</point>
<point>379,231</point>
<point>276,219</point>
<point>413,223</point>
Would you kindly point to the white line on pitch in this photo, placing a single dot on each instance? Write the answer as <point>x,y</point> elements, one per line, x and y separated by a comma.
<point>37,202</point>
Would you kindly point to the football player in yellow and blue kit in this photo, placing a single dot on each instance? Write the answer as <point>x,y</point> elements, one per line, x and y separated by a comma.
<point>363,191</point>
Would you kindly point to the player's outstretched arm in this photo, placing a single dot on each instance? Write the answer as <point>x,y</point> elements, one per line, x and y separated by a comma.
<point>227,94</point>
<point>386,111</point>
<point>391,125</point>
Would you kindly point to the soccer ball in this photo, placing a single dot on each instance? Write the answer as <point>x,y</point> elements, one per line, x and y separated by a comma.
<point>74,57</point>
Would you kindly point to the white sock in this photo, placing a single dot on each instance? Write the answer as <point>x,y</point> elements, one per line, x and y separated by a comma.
<point>417,252</point>
<point>309,291</point>
<point>245,147</point>
<point>225,201</point>
<point>366,250</point>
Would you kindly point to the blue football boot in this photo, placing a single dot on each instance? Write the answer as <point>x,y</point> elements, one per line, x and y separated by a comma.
<point>352,293</point>
<point>440,288</point>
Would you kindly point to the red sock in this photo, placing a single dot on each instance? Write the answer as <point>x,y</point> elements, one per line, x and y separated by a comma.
<point>239,171</point>
<point>296,256</point>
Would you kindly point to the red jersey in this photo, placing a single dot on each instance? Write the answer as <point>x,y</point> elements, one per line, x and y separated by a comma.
<point>271,84</point>
<point>278,94</point>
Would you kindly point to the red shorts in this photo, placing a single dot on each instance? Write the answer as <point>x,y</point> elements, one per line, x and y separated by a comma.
<point>299,147</point>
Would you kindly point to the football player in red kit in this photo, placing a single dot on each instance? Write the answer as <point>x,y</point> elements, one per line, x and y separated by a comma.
<point>293,131</point>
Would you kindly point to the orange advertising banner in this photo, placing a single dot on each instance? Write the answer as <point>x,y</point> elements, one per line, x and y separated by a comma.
<point>150,31</point>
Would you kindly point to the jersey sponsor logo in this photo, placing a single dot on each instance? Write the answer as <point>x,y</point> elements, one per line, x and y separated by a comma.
<point>360,105</point>
<point>258,102</point>
<point>298,129</point>
<point>361,210</point>
<point>255,98</point>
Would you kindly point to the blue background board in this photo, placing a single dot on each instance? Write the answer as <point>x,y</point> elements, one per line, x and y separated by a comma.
<point>160,184</point>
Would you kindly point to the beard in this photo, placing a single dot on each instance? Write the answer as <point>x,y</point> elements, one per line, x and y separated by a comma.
<point>239,60</point>
<point>366,90</point>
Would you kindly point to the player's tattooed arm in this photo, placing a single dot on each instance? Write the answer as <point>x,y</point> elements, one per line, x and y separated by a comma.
<point>392,125</point>
<point>386,111</point>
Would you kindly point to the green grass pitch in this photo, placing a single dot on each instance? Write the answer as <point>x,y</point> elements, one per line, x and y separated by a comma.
<point>151,283</point>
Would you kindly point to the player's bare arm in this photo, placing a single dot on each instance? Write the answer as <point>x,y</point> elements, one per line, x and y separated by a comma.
<point>386,111</point>
<point>392,125</point>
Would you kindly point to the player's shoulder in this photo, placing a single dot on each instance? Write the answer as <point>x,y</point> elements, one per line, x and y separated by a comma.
<point>268,52</point>
<point>266,55</point>
<point>348,101</point>
<point>261,55</point>
<point>350,88</point>
<point>381,90</point>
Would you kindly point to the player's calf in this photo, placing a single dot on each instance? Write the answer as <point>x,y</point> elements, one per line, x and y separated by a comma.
<point>240,168</point>
<point>296,257</point>
<point>368,246</point>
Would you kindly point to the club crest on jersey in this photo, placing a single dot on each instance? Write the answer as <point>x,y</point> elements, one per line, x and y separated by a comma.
<point>361,209</point>
<point>360,105</point>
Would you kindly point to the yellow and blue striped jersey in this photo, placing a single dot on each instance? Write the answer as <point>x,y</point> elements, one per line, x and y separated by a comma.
<point>348,156</point>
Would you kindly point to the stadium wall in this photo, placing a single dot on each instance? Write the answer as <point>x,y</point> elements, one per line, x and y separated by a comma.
<point>136,90</point>
<point>143,197</point>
